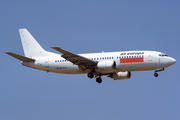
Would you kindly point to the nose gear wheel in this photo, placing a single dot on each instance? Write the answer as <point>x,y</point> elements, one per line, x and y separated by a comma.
<point>155,74</point>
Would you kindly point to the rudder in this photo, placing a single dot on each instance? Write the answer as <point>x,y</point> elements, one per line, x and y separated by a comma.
<point>31,47</point>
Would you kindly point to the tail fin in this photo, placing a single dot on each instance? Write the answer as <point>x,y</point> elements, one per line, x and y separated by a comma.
<point>31,47</point>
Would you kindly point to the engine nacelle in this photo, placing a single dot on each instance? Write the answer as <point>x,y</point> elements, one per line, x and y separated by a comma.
<point>106,65</point>
<point>121,75</point>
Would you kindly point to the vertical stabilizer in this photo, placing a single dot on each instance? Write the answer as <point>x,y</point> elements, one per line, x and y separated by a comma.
<point>31,47</point>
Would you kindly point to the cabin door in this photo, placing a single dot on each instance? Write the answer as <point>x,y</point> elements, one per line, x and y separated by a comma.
<point>47,63</point>
<point>150,58</point>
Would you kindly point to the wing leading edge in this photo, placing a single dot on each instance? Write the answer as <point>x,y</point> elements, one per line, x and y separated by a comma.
<point>81,61</point>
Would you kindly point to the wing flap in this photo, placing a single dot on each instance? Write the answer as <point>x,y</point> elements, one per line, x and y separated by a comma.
<point>74,58</point>
<point>19,57</point>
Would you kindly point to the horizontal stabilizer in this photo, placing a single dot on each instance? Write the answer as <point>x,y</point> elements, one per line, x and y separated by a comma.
<point>19,57</point>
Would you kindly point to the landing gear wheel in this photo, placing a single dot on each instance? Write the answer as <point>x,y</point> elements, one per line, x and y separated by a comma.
<point>90,75</point>
<point>98,80</point>
<point>155,74</point>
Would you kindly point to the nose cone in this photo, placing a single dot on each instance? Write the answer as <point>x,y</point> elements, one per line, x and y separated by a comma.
<point>172,61</point>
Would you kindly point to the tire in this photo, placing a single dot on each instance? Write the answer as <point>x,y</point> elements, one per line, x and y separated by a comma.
<point>90,75</point>
<point>98,80</point>
<point>155,74</point>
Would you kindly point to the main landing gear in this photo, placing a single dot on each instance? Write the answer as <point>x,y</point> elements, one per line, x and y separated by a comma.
<point>98,79</point>
<point>158,70</point>
<point>90,75</point>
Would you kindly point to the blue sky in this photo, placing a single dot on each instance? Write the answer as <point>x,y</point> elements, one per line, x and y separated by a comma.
<point>87,27</point>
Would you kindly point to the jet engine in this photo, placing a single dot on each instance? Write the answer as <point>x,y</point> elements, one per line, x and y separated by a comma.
<point>106,65</point>
<point>120,75</point>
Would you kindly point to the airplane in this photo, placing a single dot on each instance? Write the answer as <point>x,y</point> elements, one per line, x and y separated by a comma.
<point>116,65</point>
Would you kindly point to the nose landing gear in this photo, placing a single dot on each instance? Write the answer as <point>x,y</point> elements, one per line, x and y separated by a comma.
<point>158,70</point>
<point>155,74</point>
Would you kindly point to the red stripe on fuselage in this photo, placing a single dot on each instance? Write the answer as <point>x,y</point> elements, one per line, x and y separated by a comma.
<point>131,60</point>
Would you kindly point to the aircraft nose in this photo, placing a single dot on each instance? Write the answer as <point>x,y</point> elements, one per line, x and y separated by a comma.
<point>172,61</point>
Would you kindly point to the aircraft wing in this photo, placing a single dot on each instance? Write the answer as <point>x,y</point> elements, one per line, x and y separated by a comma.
<point>76,59</point>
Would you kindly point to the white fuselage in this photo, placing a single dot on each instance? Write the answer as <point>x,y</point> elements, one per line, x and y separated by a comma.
<point>125,61</point>
<point>116,65</point>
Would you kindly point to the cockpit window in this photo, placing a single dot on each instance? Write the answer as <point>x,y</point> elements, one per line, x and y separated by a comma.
<point>162,54</point>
